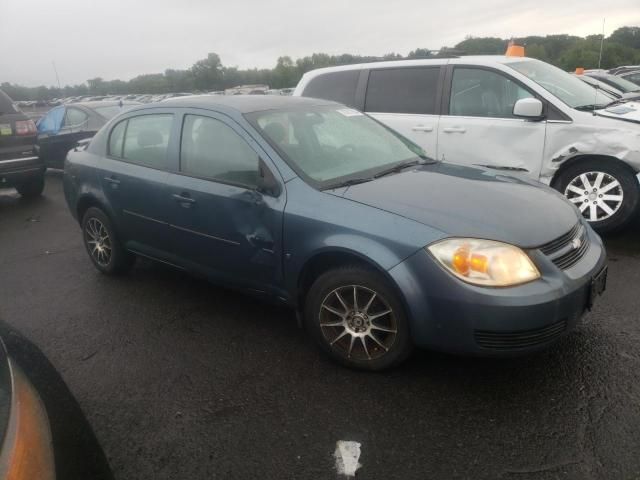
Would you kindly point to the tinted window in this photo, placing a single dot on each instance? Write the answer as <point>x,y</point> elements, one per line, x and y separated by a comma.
<point>74,117</point>
<point>211,149</point>
<point>337,86</point>
<point>116,139</point>
<point>482,93</point>
<point>402,90</point>
<point>146,140</point>
<point>6,105</point>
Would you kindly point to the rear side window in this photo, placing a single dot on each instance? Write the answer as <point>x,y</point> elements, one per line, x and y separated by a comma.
<point>402,90</point>
<point>210,149</point>
<point>337,86</point>
<point>146,139</point>
<point>74,117</point>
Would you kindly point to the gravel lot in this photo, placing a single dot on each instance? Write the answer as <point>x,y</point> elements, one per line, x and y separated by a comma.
<point>183,380</point>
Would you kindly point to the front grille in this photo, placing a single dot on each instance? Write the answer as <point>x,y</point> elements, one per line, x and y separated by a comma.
<point>567,250</point>
<point>515,340</point>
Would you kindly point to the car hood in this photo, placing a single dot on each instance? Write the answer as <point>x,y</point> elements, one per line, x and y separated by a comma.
<point>627,111</point>
<point>471,202</point>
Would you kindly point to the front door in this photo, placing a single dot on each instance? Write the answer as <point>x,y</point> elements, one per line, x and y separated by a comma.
<point>478,126</point>
<point>219,219</point>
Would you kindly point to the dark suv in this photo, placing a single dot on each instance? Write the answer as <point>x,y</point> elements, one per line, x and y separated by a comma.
<point>20,166</point>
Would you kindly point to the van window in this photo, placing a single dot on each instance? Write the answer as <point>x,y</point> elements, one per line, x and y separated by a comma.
<point>211,149</point>
<point>336,86</point>
<point>146,140</point>
<point>477,92</point>
<point>402,90</point>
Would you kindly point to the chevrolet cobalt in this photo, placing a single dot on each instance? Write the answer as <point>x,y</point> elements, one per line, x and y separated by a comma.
<point>318,206</point>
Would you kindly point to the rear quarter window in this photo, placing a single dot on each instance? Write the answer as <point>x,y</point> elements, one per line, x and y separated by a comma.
<point>336,86</point>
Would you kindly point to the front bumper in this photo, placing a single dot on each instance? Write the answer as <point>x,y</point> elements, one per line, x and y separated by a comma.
<point>20,170</point>
<point>449,315</point>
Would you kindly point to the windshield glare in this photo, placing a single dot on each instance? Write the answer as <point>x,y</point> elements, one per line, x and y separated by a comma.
<point>571,90</point>
<point>332,144</point>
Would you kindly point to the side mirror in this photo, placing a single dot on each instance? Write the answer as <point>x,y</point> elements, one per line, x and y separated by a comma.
<point>267,183</point>
<point>530,108</point>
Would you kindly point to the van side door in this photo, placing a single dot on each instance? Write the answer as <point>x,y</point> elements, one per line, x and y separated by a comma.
<point>406,99</point>
<point>478,127</point>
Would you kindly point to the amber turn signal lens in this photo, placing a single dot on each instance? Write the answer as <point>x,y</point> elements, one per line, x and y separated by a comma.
<point>27,452</point>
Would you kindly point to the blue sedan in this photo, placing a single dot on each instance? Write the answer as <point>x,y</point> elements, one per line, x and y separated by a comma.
<point>318,206</point>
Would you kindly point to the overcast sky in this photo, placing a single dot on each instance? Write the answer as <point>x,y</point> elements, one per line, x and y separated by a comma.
<point>124,38</point>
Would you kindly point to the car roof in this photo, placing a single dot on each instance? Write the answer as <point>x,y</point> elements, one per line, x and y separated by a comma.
<point>470,59</point>
<point>242,103</point>
<point>100,103</point>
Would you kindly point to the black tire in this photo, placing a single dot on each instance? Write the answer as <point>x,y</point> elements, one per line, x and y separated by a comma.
<point>395,347</point>
<point>102,243</point>
<point>31,188</point>
<point>613,169</point>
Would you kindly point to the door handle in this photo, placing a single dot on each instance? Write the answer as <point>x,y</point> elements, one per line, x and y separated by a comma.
<point>183,199</point>
<point>422,128</point>
<point>115,183</point>
<point>454,130</point>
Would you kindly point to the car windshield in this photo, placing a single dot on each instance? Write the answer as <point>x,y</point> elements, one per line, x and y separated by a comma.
<point>621,83</point>
<point>563,85</point>
<point>330,145</point>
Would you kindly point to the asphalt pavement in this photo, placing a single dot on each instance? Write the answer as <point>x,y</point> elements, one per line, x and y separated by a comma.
<point>183,380</point>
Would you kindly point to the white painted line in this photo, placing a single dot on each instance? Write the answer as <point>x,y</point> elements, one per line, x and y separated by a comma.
<point>347,455</point>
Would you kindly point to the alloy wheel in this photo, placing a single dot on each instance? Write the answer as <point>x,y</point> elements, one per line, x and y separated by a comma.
<point>98,241</point>
<point>598,195</point>
<point>358,323</point>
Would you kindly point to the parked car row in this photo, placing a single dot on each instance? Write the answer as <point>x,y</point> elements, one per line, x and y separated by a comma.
<point>148,98</point>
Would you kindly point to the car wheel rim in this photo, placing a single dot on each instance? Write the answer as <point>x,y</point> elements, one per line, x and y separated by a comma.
<point>358,323</point>
<point>99,242</point>
<point>597,195</point>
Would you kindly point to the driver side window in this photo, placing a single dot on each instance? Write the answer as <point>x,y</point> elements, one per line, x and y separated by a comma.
<point>477,92</point>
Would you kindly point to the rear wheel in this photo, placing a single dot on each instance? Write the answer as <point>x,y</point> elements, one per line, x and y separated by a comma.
<point>102,244</point>
<point>32,187</point>
<point>606,192</point>
<point>357,318</point>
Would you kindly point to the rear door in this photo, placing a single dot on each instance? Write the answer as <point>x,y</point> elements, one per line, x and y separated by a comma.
<point>219,219</point>
<point>55,143</point>
<point>133,177</point>
<point>478,127</point>
<point>406,99</point>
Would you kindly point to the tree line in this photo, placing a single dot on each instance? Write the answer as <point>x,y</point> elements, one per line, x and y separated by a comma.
<point>622,47</point>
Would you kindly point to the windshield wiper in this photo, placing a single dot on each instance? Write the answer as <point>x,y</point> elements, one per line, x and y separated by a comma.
<point>402,166</point>
<point>591,107</point>
<point>348,183</point>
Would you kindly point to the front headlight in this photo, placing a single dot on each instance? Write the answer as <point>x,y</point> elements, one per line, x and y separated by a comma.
<point>485,262</point>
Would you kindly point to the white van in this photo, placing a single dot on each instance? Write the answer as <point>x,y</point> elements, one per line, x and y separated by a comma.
<point>512,114</point>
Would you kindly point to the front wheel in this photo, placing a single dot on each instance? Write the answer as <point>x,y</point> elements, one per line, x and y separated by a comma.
<point>606,192</point>
<point>357,318</point>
